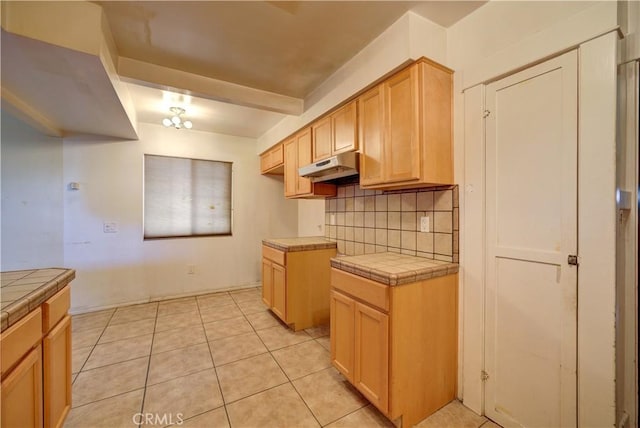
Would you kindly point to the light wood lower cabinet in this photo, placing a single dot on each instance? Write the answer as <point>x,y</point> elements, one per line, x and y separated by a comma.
<point>36,366</point>
<point>279,291</point>
<point>397,345</point>
<point>57,373</point>
<point>295,285</point>
<point>22,393</point>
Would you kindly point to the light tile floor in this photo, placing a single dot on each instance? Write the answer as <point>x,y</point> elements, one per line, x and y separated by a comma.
<point>218,360</point>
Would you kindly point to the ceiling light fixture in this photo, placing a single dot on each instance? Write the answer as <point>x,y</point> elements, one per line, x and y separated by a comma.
<point>176,120</point>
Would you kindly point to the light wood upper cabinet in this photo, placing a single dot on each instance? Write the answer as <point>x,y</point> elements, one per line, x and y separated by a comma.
<point>345,130</point>
<point>322,134</point>
<point>405,129</point>
<point>297,153</point>
<point>401,126</point>
<point>371,129</point>
<point>272,161</point>
<point>290,167</point>
<point>401,139</point>
<point>336,132</point>
<point>304,186</point>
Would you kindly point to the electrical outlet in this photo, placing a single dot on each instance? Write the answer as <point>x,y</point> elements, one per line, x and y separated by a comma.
<point>424,224</point>
<point>191,269</point>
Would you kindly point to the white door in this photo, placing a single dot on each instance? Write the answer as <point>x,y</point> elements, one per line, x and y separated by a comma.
<point>531,229</point>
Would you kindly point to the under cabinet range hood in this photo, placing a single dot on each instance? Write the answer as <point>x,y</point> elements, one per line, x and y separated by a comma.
<point>338,166</point>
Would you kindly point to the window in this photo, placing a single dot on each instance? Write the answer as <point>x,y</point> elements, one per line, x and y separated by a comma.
<point>186,197</point>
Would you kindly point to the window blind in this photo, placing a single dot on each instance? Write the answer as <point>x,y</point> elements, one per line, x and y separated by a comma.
<point>186,197</point>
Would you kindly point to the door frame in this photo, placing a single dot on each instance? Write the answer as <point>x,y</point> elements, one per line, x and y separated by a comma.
<point>597,251</point>
<point>564,67</point>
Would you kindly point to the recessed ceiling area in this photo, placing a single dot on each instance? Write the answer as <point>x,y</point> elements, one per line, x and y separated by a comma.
<point>237,67</point>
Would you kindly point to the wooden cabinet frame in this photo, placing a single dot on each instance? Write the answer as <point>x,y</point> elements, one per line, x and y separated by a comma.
<point>397,345</point>
<point>297,153</point>
<point>22,392</point>
<point>336,133</point>
<point>57,373</point>
<point>405,129</point>
<point>272,161</point>
<point>37,366</point>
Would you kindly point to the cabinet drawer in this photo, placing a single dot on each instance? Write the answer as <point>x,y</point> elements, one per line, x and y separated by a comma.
<point>368,291</point>
<point>17,340</point>
<point>54,309</point>
<point>274,255</point>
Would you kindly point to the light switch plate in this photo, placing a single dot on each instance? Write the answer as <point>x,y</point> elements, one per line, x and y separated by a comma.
<point>110,227</point>
<point>424,224</point>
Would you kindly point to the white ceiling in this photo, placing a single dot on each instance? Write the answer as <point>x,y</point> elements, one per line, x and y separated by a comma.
<point>277,49</point>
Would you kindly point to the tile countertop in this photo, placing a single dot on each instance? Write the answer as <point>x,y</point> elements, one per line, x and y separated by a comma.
<point>22,291</point>
<point>306,243</point>
<point>392,268</point>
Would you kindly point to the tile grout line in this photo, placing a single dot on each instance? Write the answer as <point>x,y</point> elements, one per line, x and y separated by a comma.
<point>146,378</point>
<point>287,376</point>
<point>284,372</point>
<point>213,363</point>
<point>245,317</point>
<point>92,348</point>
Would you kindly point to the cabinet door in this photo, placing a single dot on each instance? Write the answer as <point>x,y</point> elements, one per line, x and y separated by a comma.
<point>290,167</point>
<point>322,139</point>
<point>276,156</point>
<point>279,292</point>
<point>370,126</point>
<point>345,132</point>
<point>401,141</point>
<point>372,355</point>
<point>22,393</point>
<point>304,186</point>
<point>342,319</point>
<point>267,282</point>
<point>57,373</point>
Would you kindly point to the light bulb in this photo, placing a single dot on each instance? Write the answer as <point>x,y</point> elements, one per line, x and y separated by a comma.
<point>187,124</point>
<point>166,122</point>
<point>176,120</point>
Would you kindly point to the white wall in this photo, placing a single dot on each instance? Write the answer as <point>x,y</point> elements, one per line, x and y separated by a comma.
<point>311,217</point>
<point>498,39</point>
<point>32,186</point>
<point>121,267</point>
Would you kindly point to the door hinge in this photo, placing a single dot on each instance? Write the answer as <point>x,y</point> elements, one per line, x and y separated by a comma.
<point>484,375</point>
<point>573,260</point>
<point>486,113</point>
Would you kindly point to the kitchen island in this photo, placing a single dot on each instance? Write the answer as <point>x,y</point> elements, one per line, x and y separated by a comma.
<point>295,279</point>
<point>35,347</point>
